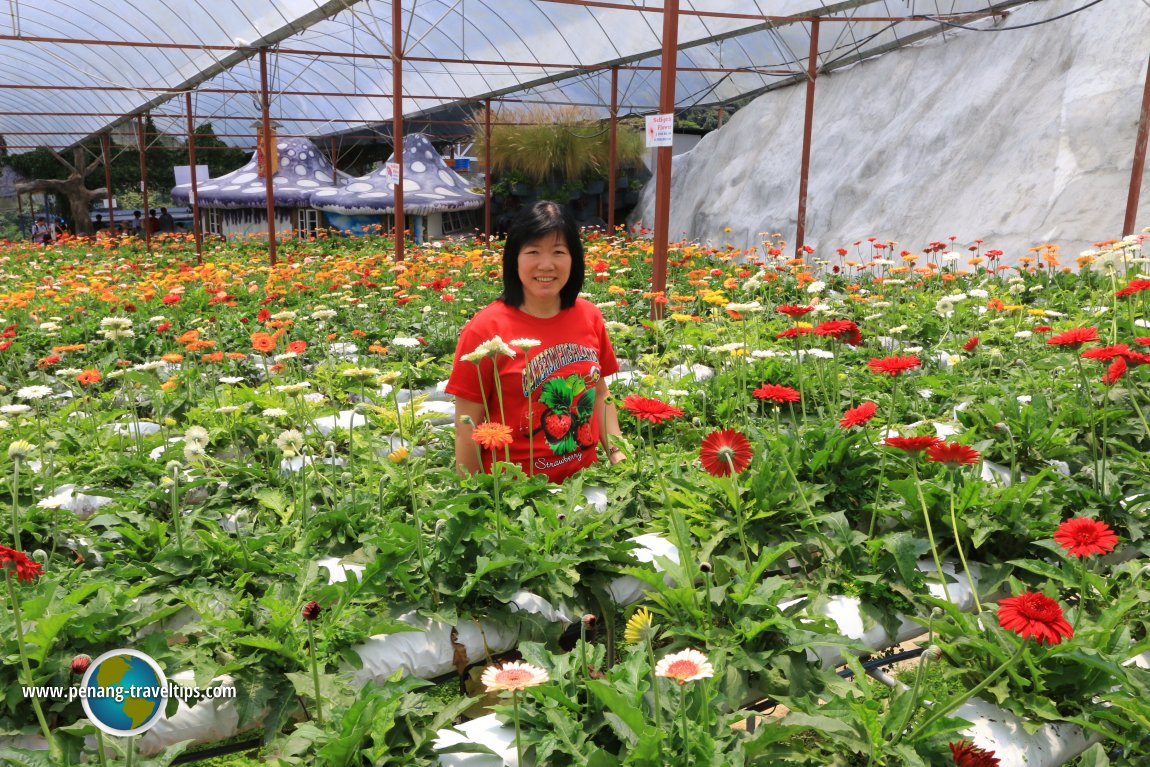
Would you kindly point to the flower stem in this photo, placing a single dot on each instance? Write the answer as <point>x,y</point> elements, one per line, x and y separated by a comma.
<point>929,529</point>
<point>946,708</point>
<point>658,709</point>
<point>101,751</point>
<point>958,543</point>
<point>518,734</point>
<point>683,717</point>
<point>14,600</point>
<point>740,523</point>
<point>175,499</point>
<point>798,487</point>
<point>1082,594</point>
<point>315,673</point>
<point>16,503</point>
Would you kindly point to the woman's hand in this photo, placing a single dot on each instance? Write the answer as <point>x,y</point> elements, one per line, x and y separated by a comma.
<point>616,454</point>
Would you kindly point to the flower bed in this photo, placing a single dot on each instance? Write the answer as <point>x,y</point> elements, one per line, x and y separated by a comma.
<point>808,436</point>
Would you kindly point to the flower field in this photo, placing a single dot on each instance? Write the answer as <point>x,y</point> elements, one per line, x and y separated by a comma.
<point>184,442</point>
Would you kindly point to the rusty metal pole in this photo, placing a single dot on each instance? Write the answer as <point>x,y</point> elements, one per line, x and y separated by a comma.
<point>108,179</point>
<point>397,117</point>
<point>266,121</point>
<point>1139,159</point>
<point>196,232</point>
<point>487,170</point>
<point>612,150</point>
<point>20,213</point>
<point>334,172</point>
<point>663,156</point>
<point>808,122</point>
<point>144,182</point>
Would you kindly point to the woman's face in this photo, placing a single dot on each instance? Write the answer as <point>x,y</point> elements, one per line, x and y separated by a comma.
<point>544,268</point>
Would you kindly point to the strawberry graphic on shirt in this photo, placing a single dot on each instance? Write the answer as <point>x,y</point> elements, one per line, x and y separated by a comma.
<point>569,405</point>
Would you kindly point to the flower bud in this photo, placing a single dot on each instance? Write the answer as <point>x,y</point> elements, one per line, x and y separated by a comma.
<point>589,620</point>
<point>705,567</point>
<point>932,654</point>
<point>311,610</point>
<point>80,664</point>
<point>41,556</point>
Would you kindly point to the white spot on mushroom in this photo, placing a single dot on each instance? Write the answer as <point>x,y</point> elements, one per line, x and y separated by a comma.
<point>244,178</point>
<point>446,177</point>
<point>410,185</point>
<point>418,167</point>
<point>447,192</point>
<point>308,183</point>
<point>359,186</point>
<point>323,176</point>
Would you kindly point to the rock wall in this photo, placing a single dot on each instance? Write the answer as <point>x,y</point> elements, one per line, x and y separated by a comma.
<point>1015,137</point>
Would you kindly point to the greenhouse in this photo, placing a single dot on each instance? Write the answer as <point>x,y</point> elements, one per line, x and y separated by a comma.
<point>470,383</point>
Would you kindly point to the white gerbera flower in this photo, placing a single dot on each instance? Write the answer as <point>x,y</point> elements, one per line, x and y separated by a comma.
<point>33,392</point>
<point>290,442</point>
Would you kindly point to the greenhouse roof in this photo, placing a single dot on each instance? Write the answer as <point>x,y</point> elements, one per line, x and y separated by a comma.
<point>70,69</point>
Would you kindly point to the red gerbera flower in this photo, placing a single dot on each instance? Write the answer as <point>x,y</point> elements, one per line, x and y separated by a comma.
<point>1142,340</point>
<point>893,365</point>
<point>777,393</point>
<point>794,311</point>
<point>1105,352</point>
<point>722,449</point>
<point>1042,329</point>
<point>1137,358</point>
<point>953,454</point>
<point>1031,614</point>
<point>967,754</point>
<point>971,343</point>
<point>857,416</point>
<point>1135,286</point>
<point>1074,337</point>
<point>1116,370</point>
<point>1083,537</point>
<point>841,330</point>
<point>25,568</point>
<point>794,332</point>
<point>912,444</point>
<point>647,409</point>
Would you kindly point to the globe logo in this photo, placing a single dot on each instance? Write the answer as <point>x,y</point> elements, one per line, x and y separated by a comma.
<point>124,692</point>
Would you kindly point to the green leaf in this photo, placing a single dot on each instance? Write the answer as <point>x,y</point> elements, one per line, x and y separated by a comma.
<point>627,712</point>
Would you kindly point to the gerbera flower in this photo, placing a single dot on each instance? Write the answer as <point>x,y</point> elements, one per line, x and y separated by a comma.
<point>263,342</point>
<point>1031,614</point>
<point>1104,353</point>
<point>513,676</point>
<point>648,409</point>
<point>1074,337</point>
<point>722,449</point>
<point>776,393</point>
<point>25,568</point>
<point>311,610</point>
<point>794,311</point>
<point>88,376</point>
<point>1043,329</point>
<point>640,627</point>
<point>970,344</point>
<point>685,666</point>
<point>1142,340</point>
<point>794,332</point>
<point>1082,537</point>
<point>843,330</point>
<point>953,454</point>
<point>1135,286</point>
<point>492,435</point>
<point>1115,371</point>
<point>857,416</point>
<point>967,754</point>
<point>894,365</point>
<point>912,444</point>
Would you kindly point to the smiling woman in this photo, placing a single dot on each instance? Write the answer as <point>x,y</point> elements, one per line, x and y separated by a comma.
<point>548,385</point>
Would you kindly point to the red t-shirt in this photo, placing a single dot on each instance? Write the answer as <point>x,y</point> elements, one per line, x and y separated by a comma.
<point>559,430</point>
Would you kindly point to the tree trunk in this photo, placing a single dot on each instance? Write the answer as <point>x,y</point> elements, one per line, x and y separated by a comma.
<point>71,189</point>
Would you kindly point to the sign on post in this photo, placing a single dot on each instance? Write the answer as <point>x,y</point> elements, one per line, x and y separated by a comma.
<point>660,130</point>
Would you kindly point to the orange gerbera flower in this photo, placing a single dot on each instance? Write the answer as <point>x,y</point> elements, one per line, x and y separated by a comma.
<point>263,342</point>
<point>492,435</point>
<point>89,376</point>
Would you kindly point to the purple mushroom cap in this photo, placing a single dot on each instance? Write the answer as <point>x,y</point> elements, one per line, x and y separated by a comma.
<point>303,170</point>
<point>429,186</point>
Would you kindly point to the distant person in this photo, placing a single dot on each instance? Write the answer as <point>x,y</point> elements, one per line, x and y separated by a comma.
<point>98,224</point>
<point>137,224</point>
<point>167,223</point>
<point>153,222</point>
<point>42,231</point>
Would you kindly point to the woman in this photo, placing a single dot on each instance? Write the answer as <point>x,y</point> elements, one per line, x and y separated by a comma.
<point>553,395</point>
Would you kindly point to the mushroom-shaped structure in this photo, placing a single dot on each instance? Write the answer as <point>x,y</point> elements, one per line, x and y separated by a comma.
<point>302,171</point>
<point>236,203</point>
<point>430,188</point>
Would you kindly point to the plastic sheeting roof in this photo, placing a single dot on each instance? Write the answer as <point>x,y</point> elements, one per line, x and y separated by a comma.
<point>454,51</point>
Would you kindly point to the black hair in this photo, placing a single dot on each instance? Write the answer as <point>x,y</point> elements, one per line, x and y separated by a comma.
<point>531,223</point>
